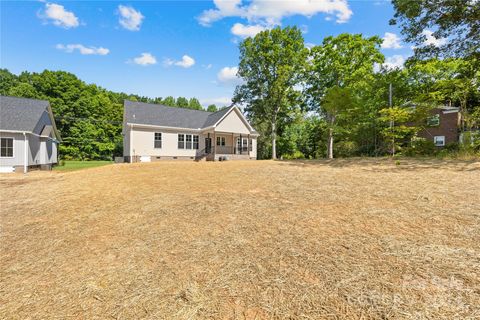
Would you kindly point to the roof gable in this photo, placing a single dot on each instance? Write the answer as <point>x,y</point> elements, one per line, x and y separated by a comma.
<point>26,115</point>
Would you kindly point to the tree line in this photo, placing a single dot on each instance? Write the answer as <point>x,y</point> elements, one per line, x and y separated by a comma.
<point>89,118</point>
<point>306,102</point>
<point>340,98</point>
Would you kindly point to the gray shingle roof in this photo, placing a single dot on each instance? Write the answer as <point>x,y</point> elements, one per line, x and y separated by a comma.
<point>160,115</point>
<point>214,117</point>
<point>21,114</point>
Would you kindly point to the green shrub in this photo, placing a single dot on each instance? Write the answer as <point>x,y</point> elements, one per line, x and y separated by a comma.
<point>296,155</point>
<point>451,147</point>
<point>471,142</point>
<point>345,149</point>
<point>420,147</point>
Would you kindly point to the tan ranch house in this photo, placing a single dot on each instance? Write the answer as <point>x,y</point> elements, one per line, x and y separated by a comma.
<point>154,132</point>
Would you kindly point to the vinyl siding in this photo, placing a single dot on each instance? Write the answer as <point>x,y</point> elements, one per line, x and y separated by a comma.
<point>232,123</point>
<point>142,143</point>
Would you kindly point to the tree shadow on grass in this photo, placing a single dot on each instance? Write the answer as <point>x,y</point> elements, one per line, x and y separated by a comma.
<point>389,164</point>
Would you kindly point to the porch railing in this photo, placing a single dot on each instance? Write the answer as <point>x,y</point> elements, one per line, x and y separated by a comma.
<point>224,150</point>
<point>231,150</point>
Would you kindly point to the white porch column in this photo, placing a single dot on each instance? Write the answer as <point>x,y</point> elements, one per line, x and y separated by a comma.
<point>25,153</point>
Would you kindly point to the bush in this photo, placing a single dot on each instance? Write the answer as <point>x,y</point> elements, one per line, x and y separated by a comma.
<point>292,156</point>
<point>451,147</point>
<point>470,142</point>
<point>420,147</point>
<point>345,149</point>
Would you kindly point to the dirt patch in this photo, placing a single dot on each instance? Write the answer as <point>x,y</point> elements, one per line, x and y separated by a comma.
<point>243,240</point>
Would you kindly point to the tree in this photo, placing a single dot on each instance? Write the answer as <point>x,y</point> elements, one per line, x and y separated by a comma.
<point>457,20</point>
<point>271,65</point>
<point>193,103</point>
<point>169,101</point>
<point>447,82</point>
<point>347,60</point>
<point>397,131</point>
<point>7,81</point>
<point>303,138</point>
<point>346,63</point>
<point>212,108</point>
<point>337,103</point>
<point>182,102</point>
<point>24,90</point>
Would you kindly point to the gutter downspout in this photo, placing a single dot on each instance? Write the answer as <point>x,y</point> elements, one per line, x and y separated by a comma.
<point>25,153</point>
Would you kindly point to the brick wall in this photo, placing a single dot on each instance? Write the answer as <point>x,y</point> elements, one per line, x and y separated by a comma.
<point>448,127</point>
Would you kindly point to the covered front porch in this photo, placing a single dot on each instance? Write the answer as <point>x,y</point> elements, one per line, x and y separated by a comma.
<point>228,145</point>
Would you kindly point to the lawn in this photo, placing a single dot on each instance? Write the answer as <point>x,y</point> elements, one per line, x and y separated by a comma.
<point>343,239</point>
<point>71,165</point>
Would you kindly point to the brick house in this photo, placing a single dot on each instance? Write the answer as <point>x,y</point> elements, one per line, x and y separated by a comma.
<point>442,126</point>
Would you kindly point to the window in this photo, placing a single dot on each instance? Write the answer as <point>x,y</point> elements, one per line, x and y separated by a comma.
<point>439,141</point>
<point>433,121</point>
<point>220,141</point>
<point>195,142</point>
<point>250,145</point>
<point>6,147</point>
<point>181,141</point>
<point>158,140</point>
<point>188,143</point>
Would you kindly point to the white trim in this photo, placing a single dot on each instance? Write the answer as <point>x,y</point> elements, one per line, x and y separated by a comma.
<point>155,140</point>
<point>442,140</point>
<point>223,117</point>
<point>239,113</point>
<point>219,138</point>
<point>15,131</point>
<point>450,111</point>
<point>54,125</point>
<point>30,132</point>
<point>26,155</point>
<point>13,147</point>
<point>192,135</point>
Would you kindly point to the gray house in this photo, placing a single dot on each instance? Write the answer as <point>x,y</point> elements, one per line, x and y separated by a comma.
<point>28,135</point>
<point>155,132</point>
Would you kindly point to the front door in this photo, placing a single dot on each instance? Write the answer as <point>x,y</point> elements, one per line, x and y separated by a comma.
<point>239,146</point>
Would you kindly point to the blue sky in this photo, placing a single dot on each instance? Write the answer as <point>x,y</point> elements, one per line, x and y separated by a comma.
<point>179,48</point>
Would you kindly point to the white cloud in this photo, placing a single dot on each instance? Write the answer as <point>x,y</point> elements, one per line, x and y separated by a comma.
<point>82,49</point>
<point>186,62</point>
<point>431,40</point>
<point>393,62</point>
<point>391,41</point>
<point>228,75</point>
<point>245,31</point>
<point>207,66</point>
<point>220,101</point>
<point>130,18</point>
<point>272,12</point>
<point>145,59</point>
<point>59,16</point>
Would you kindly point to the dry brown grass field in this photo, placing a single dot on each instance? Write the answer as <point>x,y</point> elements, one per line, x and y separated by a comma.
<point>343,239</point>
